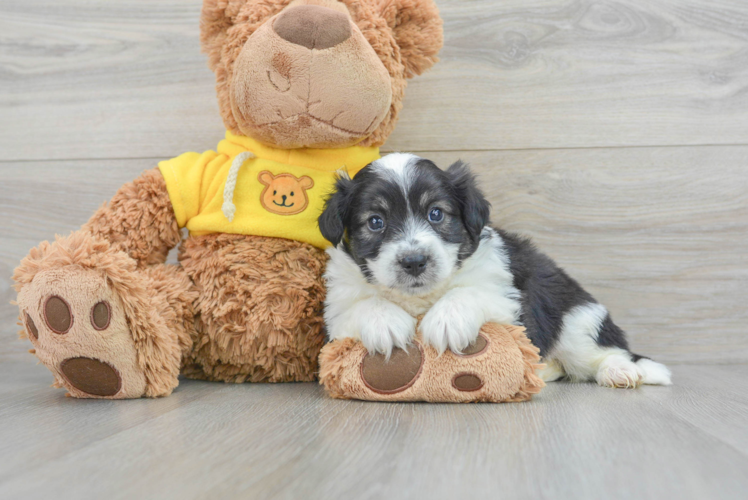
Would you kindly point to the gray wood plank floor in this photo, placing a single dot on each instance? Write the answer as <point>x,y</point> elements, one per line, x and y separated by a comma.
<point>575,441</point>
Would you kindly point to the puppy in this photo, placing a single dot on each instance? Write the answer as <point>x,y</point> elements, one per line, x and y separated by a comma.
<point>411,239</point>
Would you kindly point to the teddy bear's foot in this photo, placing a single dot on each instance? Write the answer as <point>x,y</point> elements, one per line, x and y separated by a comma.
<point>80,333</point>
<point>94,320</point>
<point>499,367</point>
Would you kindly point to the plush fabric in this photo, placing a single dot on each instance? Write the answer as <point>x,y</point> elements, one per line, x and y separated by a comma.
<point>196,183</point>
<point>151,312</point>
<point>259,308</point>
<point>139,220</point>
<point>501,370</point>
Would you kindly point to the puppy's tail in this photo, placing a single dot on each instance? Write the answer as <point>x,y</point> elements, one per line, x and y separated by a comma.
<point>654,373</point>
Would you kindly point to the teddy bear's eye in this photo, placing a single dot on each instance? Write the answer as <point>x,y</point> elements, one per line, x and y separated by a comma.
<point>291,193</point>
<point>275,192</point>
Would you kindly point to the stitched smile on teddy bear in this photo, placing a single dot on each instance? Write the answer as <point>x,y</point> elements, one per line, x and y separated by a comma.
<point>284,194</point>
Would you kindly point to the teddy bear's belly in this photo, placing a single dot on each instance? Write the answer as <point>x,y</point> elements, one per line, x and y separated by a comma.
<point>259,308</point>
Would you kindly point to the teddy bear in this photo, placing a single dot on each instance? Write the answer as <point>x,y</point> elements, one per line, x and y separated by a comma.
<point>305,88</point>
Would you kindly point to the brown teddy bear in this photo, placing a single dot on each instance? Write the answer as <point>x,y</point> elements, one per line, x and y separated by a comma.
<point>305,87</point>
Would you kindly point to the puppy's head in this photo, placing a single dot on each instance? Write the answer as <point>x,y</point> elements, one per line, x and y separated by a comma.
<point>406,223</point>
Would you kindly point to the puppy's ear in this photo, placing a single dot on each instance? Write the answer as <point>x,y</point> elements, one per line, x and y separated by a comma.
<point>475,208</point>
<point>332,221</point>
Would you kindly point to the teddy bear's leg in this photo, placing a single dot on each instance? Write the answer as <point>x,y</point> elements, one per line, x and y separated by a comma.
<point>103,326</point>
<point>499,367</point>
<point>259,309</point>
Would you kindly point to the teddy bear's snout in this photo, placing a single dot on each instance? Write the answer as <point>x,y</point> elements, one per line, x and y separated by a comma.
<point>308,77</point>
<point>313,26</point>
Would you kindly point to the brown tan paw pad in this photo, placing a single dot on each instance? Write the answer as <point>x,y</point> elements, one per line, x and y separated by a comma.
<point>467,382</point>
<point>499,367</point>
<point>91,376</point>
<point>31,328</point>
<point>390,376</point>
<point>57,314</point>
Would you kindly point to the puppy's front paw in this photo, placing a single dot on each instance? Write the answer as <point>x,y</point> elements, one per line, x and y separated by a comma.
<point>385,326</point>
<point>449,325</point>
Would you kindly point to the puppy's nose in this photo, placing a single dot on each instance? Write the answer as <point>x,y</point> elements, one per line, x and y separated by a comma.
<point>414,264</point>
<point>313,26</point>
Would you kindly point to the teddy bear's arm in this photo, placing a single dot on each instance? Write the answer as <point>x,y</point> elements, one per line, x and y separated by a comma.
<point>139,220</point>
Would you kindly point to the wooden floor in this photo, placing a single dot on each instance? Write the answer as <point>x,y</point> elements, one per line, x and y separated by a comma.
<point>208,440</point>
<point>613,133</point>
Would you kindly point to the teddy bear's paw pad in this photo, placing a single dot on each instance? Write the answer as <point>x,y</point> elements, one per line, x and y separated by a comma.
<point>476,348</point>
<point>77,325</point>
<point>467,382</point>
<point>57,314</point>
<point>91,376</point>
<point>31,328</point>
<point>394,375</point>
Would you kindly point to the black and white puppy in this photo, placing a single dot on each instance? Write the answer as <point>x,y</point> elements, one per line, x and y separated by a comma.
<point>411,239</point>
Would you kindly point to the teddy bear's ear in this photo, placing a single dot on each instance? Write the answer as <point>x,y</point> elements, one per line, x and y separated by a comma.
<point>306,182</point>
<point>418,32</point>
<point>215,20</point>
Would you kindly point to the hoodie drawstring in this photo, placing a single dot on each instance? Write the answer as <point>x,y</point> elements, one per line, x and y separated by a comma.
<point>228,208</point>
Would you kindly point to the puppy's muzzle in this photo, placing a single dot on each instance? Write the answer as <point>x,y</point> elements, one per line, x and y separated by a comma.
<point>414,264</point>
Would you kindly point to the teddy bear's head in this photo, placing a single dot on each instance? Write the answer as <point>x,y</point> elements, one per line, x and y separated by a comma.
<point>317,73</point>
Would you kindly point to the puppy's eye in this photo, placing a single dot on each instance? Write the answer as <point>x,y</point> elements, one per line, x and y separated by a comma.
<point>376,223</point>
<point>436,215</point>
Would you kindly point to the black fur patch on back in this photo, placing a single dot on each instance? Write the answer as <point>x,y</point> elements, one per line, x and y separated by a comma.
<point>548,293</point>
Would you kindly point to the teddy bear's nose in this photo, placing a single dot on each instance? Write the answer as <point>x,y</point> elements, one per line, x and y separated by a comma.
<point>313,26</point>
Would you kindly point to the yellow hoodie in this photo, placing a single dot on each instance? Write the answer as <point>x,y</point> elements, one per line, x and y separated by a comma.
<point>249,188</point>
